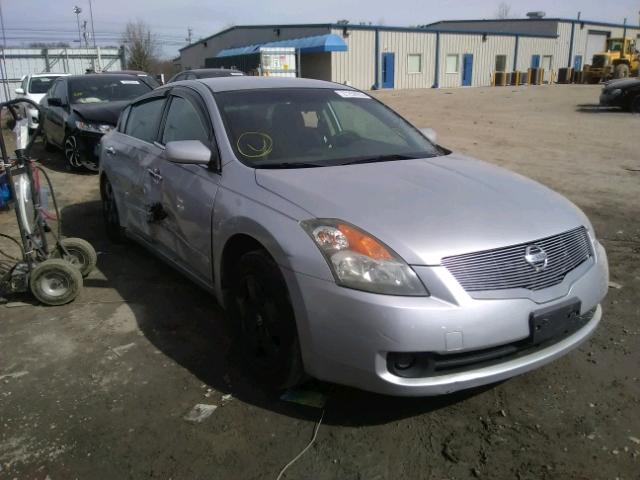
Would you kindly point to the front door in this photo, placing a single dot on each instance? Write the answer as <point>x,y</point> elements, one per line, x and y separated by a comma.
<point>577,63</point>
<point>535,61</point>
<point>467,70</point>
<point>388,69</point>
<point>188,191</point>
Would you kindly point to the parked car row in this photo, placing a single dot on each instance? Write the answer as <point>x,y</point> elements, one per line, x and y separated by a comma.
<point>344,243</point>
<point>79,109</point>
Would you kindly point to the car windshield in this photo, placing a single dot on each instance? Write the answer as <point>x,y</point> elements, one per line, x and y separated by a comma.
<point>303,127</point>
<point>40,84</point>
<point>105,89</point>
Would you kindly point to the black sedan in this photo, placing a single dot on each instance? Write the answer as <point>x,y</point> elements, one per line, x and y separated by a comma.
<point>206,73</point>
<point>77,110</point>
<point>624,93</point>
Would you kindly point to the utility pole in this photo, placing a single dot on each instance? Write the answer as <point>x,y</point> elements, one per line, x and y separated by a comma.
<point>189,35</point>
<point>93,32</point>
<point>77,10</point>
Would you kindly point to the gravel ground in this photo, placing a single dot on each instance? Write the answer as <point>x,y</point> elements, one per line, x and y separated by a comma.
<point>99,388</point>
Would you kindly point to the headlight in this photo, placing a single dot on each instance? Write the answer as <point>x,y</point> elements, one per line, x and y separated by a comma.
<point>94,127</point>
<point>360,261</point>
<point>615,92</point>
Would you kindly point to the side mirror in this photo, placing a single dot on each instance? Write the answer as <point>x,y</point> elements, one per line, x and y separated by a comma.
<point>19,91</point>
<point>431,135</point>
<point>55,102</point>
<point>188,152</point>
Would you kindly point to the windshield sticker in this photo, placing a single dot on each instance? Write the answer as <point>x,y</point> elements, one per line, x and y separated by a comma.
<point>351,94</point>
<point>130,82</point>
<point>254,144</point>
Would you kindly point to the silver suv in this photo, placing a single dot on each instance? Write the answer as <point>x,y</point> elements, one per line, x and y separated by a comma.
<point>344,242</point>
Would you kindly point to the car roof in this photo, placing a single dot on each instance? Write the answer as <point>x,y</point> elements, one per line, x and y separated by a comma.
<point>103,75</point>
<point>49,74</point>
<point>226,84</point>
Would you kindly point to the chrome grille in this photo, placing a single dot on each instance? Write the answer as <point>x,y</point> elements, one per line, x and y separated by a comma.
<point>504,268</point>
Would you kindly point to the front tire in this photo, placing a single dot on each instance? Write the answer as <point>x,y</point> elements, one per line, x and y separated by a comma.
<point>72,152</point>
<point>268,333</point>
<point>110,214</point>
<point>621,71</point>
<point>635,105</point>
<point>79,253</point>
<point>55,282</point>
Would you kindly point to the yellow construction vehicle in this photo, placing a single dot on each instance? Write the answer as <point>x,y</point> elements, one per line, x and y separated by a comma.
<point>621,60</point>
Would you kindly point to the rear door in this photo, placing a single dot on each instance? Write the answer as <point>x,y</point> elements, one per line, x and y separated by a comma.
<point>188,191</point>
<point>139,157</point>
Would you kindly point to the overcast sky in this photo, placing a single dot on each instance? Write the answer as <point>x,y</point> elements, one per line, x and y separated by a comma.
<point>47,20</point>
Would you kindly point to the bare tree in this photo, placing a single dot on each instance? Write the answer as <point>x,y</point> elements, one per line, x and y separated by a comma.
<point>504,11</point>
<point>141,46</point>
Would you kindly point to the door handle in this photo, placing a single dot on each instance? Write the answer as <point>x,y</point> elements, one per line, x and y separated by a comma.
<point>110,150</point>
<point>155,173</point>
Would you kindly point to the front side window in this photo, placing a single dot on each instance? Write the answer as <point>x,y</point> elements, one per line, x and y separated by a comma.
<point>414,63</point>
<point>98,89</point>
<point>501,63</point>
<point>143,120</point>
<point>283,128</point>
<point>40,84</point>
<point>184,123</point>
<point>451,65</point>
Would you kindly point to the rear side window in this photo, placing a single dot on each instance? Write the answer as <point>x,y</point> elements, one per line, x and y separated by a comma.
<point>184,123</point>
<point>143,120</point>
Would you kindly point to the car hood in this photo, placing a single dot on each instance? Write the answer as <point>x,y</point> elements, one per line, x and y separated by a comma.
<point>36,97</point>
<point>428,209</point>
<point>622,83</point>
<point>107,112</point>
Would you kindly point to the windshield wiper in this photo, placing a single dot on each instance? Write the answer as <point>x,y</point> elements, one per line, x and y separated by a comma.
<point>380,158</point>
<point>290,165</point>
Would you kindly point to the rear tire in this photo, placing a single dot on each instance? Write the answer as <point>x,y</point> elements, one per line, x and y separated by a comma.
<point>81,254</point>
<point>55,282</point>
<point>110,214</point>
<point>621,71</point>
<point>267,328</point>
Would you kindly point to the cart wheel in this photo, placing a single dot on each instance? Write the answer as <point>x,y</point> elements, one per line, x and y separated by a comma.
<point>55,282</point>
<point>80,254</point>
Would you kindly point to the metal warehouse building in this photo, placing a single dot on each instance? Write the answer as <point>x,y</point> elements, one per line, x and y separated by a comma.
<point>442,54</point>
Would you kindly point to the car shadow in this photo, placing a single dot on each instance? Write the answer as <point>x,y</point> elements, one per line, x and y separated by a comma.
<point>597,108</point>
<point>187,325</point>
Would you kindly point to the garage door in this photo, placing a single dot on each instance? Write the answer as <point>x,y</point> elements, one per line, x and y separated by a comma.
<point>596,42</point>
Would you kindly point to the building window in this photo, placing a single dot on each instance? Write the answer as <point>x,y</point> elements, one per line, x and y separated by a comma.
<point>414,63</point>
<point>501,63</point>
<point>451,65</point>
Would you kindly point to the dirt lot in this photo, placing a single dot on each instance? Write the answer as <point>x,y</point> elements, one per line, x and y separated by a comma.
<point>99,388</point>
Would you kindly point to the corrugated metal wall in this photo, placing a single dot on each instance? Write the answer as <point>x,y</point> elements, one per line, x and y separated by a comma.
<point>484,56</point>
<point>405,43</point>
<point>23,61</point>
<point>582,31</point>
<point>529,46</point>
<point>356,66</point>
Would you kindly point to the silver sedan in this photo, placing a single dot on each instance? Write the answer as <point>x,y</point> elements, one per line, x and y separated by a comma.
<point>344,242</point>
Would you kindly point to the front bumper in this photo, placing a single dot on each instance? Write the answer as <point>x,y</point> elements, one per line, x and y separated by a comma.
<point>346,335</point>
<point>608,100</point>
<point>89,147</point>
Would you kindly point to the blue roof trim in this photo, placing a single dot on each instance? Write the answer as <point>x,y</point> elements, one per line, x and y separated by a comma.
<point>314,44</point>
